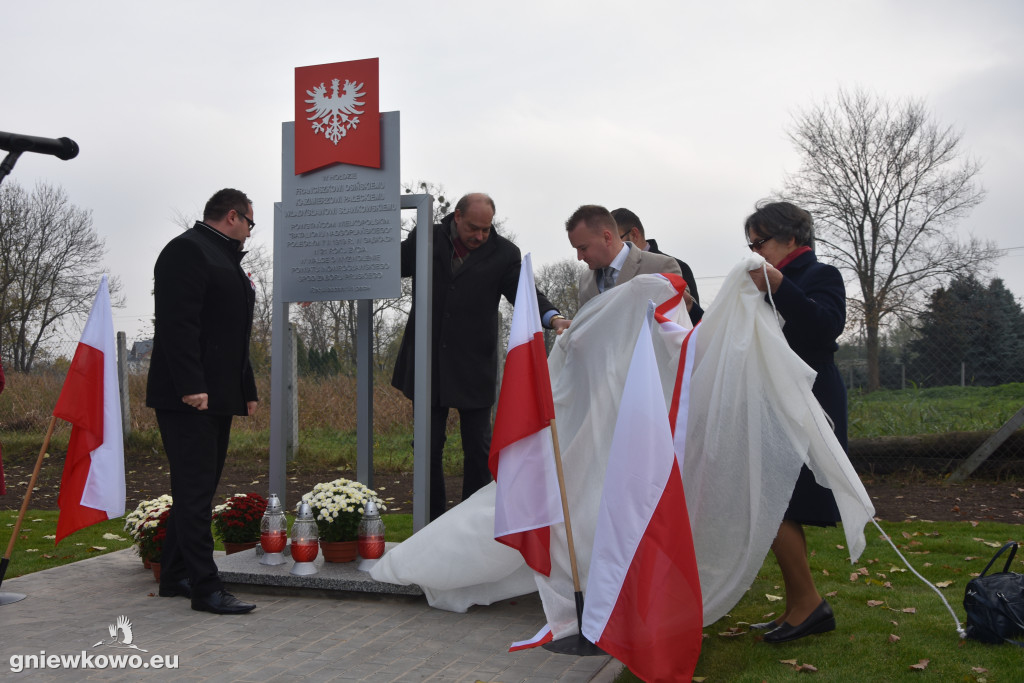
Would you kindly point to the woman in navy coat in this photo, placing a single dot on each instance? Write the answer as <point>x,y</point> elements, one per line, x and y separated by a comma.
<point>811,298</point>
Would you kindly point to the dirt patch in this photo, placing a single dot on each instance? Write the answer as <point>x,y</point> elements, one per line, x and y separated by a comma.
<point>899,497</point>
<point>896,496</point>
<point>147,476</point>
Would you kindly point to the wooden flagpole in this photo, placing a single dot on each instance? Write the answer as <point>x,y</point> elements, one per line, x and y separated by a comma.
<point>579,645</point>
<point>24,505</point>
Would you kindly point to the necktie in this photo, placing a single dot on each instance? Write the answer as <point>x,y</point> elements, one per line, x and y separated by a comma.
<point>608,277</point>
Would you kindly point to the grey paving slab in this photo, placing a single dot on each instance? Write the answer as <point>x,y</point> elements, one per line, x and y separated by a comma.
<point>328,634</point>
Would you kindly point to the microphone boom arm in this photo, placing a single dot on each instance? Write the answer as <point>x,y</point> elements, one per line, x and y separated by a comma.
<point>7,165</point>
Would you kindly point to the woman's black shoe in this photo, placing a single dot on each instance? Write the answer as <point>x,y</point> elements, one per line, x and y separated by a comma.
<point>821,620</point>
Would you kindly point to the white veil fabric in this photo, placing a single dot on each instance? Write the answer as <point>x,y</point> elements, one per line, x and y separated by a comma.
<point>752,423</point>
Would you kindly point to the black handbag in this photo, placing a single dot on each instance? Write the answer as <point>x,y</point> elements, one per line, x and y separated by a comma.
<point>995,603</point>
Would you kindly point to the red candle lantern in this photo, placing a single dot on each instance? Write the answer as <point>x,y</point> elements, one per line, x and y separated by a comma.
<point>371,533</point>
<point>305,542</point>
<point>273,532</point>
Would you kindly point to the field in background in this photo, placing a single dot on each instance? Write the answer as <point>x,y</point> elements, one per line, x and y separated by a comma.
<point>909,412</point>
<point>889,429</point>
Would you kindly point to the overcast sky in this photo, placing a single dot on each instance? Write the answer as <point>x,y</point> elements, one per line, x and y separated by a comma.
<point>677,110</point>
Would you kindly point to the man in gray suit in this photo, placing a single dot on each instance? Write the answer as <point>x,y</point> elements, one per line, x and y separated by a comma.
<point>595,237</point>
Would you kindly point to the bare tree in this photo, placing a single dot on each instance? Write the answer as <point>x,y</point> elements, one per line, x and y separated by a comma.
<point>326,325</point>
<point>442,206</point>
<point>50,266</point>
<point>259,266</point>
<point>886,186</point>
<point>560,282</point>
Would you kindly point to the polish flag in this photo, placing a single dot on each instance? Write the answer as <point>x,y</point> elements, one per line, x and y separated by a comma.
<point>670,307</point>
<point>643,603</point>
<point>92,488</point>
<point>543,636</point>
<point>522,458</point>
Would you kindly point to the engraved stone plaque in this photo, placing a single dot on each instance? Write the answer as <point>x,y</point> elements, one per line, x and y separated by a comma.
<point>339,232</point>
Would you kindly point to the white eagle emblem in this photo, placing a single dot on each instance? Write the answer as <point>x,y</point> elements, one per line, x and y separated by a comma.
<point>335,115</point>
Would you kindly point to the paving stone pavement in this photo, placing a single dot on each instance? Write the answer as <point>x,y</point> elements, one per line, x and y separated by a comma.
<point>287,638</point>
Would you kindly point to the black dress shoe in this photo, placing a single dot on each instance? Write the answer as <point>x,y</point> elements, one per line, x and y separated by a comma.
<point>182,587</point>
<point>221,602</point>
<point>821,620</point>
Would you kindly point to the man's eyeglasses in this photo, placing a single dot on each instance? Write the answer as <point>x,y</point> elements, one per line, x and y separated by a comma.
<point>251,222</point>
<point>757,244</point>
<point>625,236</point>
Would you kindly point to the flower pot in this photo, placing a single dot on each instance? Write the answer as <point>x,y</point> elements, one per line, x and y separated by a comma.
<point>339,551</point>
<point>146,563</point>
<point>230,548</point>
<point>155,566</point>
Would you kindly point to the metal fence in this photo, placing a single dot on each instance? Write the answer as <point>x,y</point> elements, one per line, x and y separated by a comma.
<point>937,370</point>
<point>933,411</point>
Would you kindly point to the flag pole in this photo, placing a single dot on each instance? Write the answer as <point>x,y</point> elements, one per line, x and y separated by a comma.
<point>578,645</point>
<point>7,598</point>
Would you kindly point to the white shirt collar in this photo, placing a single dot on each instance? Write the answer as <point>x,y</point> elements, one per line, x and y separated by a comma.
<point>620,259</point>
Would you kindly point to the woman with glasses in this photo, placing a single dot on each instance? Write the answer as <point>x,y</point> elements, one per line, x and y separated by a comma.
<point>811,299</point>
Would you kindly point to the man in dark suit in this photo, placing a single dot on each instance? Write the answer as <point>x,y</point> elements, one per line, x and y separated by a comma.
<point>595,236</point>
<point>632,230</point>
<point>473,267</point>
<point>199,377</point>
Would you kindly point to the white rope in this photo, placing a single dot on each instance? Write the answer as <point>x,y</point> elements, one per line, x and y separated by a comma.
<point>959,629</point>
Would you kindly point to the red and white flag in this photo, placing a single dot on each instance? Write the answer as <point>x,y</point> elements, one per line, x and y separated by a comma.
<point>522,458</point>
<point>643,602</point>
<point>92,488</point>
<point>543,636</point>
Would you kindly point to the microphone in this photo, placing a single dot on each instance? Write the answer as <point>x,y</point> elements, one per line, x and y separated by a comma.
<point>62,148</point>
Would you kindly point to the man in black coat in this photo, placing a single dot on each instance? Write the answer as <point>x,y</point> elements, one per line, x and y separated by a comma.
<point>473,267</point>
<point>199,377</point>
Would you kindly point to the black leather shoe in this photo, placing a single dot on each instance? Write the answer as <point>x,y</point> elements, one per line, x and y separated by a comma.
<point>182,587</point>
<point>221,602</point>
<point>821,620</point>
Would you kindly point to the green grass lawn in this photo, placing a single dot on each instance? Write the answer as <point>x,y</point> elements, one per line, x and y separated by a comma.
<point>888,620</point>
<point>35,551</point>
<point>938,410</point>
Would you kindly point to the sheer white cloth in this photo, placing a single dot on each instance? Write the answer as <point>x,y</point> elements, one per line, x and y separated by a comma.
<point>752,422</point>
